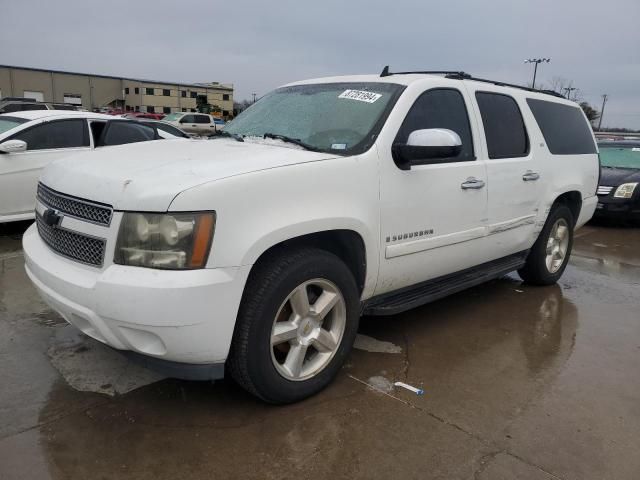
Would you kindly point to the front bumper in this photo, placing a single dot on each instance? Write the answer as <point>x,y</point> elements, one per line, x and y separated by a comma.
<point>618,209</point>
<point>173,316</point>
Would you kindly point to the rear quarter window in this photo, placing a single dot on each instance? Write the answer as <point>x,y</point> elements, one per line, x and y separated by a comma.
<point>564,128</point>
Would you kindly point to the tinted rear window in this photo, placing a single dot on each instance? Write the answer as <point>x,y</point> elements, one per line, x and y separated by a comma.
<point>564,127</point>
<point>503,125</point>
<point>55,134</point>
<point>119,133</point>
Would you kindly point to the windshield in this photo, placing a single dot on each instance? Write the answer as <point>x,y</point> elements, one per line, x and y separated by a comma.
<point>340,118</point>
<point>7,123</point>
<point>620,157</point>
<point>173,117</point>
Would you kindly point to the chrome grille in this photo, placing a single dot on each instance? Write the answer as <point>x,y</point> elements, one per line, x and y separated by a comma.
<point>76,246</point>
<point>75,207</point>
<point>604,190</point>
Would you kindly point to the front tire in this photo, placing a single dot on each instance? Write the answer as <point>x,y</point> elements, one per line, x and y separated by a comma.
<point>296,325</point>
<point>550,254</point>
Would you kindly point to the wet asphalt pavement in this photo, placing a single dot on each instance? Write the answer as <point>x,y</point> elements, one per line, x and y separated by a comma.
<point>520,382</point>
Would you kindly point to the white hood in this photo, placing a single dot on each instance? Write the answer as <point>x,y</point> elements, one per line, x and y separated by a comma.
<point>147,176</point>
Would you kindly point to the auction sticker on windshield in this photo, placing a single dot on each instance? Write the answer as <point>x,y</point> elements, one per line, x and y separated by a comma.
<point>360,95</point>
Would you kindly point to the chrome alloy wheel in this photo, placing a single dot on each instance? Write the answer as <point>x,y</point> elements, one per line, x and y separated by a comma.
<point>557,245</point>
<point>308,329</point>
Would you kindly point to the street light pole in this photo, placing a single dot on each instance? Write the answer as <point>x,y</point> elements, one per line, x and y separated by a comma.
<point>569,90</point>
<point>535,62</point>
<point>604,101</point>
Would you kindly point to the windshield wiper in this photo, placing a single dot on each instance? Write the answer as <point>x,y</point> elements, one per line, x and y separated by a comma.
<point>295,141</point>
<point>235,136</point>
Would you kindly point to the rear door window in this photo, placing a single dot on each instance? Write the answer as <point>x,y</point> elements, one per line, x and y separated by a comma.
<point>122,132</point>
<point>503,125</point>
<point>563,127</point>
<point>56,134</point>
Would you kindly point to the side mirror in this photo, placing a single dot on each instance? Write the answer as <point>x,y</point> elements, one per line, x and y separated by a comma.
<point>13,146</point>
<point>427,144</point>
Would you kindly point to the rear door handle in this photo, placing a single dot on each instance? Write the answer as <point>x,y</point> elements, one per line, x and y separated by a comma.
<point>472,183</point>
<point>530,176</point>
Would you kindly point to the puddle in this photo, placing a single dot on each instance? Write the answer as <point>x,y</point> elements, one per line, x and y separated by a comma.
<point>89,366</point>
<point>381,384</point>
<point>370,344</point>
<point>50,318</point>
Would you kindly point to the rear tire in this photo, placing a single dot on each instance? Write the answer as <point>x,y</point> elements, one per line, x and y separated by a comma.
<point>286,348</point>
<point>550,254</point>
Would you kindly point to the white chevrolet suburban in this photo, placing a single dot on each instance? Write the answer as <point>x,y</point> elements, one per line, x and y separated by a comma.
<point>257,252</point>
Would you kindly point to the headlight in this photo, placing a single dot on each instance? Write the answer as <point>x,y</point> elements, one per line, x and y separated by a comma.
<point>625,190</point>
<point>174,241</point>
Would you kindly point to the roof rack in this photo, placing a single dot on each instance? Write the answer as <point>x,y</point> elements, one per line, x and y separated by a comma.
<point>460,75</point>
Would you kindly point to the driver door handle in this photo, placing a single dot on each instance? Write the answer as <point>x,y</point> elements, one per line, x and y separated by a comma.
<point>530,176</point>
<point>472,183</point>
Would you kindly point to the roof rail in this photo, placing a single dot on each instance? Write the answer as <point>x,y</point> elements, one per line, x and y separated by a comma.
<point>460,75</point>
<point>448,73</point>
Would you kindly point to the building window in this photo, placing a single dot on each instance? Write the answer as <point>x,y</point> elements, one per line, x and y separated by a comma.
<point>225,113</point>
<point>137,108</point>
<point>225,96</point>
<point>128,108</point>
<point>126,90</point>
<point>151,109</point>
<point>136,90</point>
<point>184,109</point>
<point>192,110</point>
<point>150,91</point>
<point>166,92</point>
<point>166,109</point>
<point>183,93</point>
<point>72,98</point>
<point>37,96</point>
<point>194,94</point>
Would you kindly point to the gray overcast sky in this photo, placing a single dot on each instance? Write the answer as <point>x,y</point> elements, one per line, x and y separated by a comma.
<point>258,45</point>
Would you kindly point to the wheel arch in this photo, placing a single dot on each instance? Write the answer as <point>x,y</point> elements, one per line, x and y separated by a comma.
<point>573,200</point>
<point>346,244</point>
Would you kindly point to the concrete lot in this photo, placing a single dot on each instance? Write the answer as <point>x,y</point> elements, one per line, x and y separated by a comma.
<point>520,383</point>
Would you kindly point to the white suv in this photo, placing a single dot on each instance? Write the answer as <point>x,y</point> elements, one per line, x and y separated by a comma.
<point>257,252</point>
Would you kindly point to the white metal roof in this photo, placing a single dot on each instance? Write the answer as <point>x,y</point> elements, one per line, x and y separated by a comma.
<point>39,114</point>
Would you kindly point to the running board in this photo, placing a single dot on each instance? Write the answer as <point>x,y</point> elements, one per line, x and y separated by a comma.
<point>410,297</point>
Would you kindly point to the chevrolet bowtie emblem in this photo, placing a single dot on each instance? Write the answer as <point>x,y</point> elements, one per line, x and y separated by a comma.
<point>52,217</point>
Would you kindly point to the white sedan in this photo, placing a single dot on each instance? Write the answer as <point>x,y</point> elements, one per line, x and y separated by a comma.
<point>30,140</point>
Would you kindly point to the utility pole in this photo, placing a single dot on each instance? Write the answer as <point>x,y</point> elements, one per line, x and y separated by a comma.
<point>569,90</point>
<point>535,62</point>
<point>254,97</point>
<point>604,102</point>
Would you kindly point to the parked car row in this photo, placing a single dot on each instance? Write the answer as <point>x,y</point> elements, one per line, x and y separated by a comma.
<point>19,104</point>
<point>30,140</point>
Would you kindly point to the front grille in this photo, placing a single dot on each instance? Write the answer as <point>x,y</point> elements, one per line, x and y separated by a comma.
<point>75,207</point>
<point>79,247</point>
<point>604,190</point>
